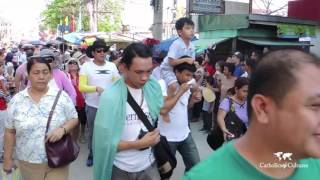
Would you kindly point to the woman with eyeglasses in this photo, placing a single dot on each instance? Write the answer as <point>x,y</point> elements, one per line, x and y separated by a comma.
<point>72,69</point>
<point>28,113</point>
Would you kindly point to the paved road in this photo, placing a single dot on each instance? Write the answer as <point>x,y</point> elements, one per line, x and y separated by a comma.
<point>79,171</point>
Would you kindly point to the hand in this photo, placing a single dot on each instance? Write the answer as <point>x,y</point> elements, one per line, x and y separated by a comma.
<point>189,60</point>
<point>99,89</point>
<point>8,165</point>
<point>55,135</point>
<point>226,134</point>
<point>184,87</point>
<point>150,139</point>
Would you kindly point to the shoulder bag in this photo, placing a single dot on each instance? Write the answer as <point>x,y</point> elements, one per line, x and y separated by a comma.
<point>165,159</point>
<point>233,124</point>
<point>64,151</point>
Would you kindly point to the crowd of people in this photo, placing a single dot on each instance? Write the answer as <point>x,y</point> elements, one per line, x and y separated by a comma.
<point>249,99</point>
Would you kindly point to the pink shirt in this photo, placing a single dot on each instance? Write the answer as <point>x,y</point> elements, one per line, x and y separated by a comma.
<point>22,71</point>
<point>64,83</point>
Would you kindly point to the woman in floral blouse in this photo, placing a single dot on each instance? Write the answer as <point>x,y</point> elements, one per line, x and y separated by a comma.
<point>26,124</point>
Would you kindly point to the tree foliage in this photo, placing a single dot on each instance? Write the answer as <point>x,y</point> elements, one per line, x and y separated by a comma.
<point>109,18</point>
<point>108,13</point>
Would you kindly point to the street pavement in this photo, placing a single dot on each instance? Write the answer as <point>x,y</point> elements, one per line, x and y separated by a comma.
<point>79,170</point>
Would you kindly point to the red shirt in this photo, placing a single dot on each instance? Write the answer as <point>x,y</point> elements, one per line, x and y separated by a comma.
<point>80,102</point>
<point>3,104</point>
<point>209,68</point>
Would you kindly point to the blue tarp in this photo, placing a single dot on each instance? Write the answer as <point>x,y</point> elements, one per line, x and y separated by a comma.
<point>74,38</point>
<point>165,44</point>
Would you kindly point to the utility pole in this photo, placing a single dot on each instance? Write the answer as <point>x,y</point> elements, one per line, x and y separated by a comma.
<point>92,9</point>
<point>157,19</point>
<point>250,6</point>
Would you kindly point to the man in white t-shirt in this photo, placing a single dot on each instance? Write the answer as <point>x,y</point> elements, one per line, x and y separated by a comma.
<point>177,130</point>
<point>95,76</point>
<point>122,143</point>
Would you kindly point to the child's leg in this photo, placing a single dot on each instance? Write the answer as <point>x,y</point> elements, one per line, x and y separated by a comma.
<point>172,83</point>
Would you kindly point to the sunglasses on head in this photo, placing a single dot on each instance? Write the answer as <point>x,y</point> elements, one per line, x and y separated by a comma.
<point>47,59</point>
<point>100,50</point>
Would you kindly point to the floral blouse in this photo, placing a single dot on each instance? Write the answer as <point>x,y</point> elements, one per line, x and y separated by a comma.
<point>29,119</point>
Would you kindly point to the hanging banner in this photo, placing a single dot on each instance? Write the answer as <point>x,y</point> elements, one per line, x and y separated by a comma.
<point>295,31</point>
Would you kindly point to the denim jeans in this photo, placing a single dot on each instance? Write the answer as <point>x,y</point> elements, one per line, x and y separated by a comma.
<point>188,150</point>
<point>91,115</point>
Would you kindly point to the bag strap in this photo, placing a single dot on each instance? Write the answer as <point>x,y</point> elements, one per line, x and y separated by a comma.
<point>52,110</point>
<point>142,116</point>
<point>230,104</point>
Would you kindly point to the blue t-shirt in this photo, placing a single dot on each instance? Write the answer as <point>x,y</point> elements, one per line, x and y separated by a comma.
<point>238,71</point>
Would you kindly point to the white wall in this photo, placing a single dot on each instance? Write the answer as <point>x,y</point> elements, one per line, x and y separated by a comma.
<point>236,7</point>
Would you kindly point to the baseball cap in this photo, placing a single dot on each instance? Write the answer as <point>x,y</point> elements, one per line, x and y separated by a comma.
<point>239,55</point>
<point>47,53</point>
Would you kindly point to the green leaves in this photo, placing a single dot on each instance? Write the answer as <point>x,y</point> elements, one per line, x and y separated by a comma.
<point>108,12</point>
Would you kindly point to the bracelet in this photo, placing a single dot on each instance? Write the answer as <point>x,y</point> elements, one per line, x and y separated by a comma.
<point>65,130</point>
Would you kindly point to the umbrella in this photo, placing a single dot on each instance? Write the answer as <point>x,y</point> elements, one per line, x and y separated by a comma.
<point>74,38</point>
<point>165,44</point>
<point>37,42</point>
<point>54,42</point>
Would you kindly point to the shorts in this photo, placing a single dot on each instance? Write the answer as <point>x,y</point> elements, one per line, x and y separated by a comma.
<point>168,76</point>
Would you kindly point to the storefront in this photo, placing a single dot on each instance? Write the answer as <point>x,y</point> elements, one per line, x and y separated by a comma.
<point>245,33</point>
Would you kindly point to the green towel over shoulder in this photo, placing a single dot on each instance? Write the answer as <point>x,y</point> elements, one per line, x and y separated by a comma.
<point>110,120</point>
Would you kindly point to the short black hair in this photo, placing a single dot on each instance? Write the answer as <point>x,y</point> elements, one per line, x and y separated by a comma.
<point>221,65</point>
<point>231,67</point>
<point>257,53</point>
<point>34,60</point>
<point>275,76</point>
<point>252,63</point>
<point>240,82</point>
<point>135,50</point>
<point>185,66</point>
<point>183,21</point>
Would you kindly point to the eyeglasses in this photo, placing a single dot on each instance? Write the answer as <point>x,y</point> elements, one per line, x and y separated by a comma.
<point>74,63</point>
<point>100,50</point>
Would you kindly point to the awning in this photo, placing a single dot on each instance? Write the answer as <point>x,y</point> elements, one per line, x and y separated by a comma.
<point>203,44</point>
<point>274,42</point>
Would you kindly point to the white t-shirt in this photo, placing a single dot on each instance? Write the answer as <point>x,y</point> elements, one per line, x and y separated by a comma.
<point>178,49</point>
<point>101,76</point>
<point>177,129</point>
<point>134,160</point>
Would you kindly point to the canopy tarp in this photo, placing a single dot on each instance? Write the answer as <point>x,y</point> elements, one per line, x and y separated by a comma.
<point>274,42</point>
<point>203,44</point>
<point>218,22</point>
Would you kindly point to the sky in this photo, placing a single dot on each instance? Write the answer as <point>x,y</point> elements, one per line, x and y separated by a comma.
<point>23,14</point>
